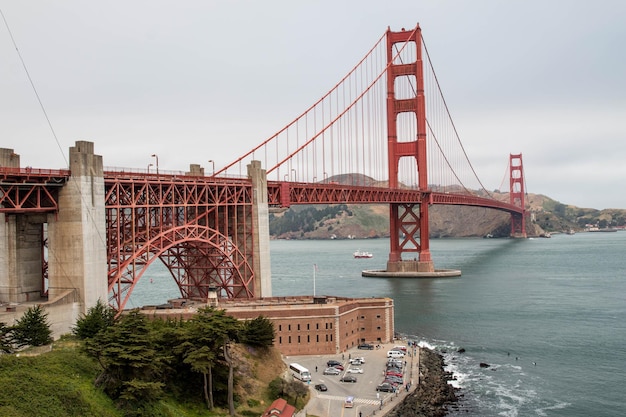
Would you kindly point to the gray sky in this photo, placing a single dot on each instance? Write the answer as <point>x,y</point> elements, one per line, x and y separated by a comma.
<point>199,80</point>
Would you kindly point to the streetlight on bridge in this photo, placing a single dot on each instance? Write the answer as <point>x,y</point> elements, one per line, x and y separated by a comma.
<point>155,156</point>
<point>149,165</point>
<point>295,174</point>
<point>213,164</point>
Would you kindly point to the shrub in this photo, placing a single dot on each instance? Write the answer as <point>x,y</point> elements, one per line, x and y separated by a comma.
<point>6,338</point>
<point>32,329</point>
<point>98,317</point>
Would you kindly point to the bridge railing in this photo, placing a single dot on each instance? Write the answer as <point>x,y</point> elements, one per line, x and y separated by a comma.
<point>19,174</point>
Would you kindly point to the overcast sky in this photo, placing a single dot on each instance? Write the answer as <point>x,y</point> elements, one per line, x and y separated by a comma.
<point>192,81</point>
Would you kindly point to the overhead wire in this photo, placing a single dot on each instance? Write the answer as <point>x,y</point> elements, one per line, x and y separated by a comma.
<point>445,104</point>
<point>56,139</point>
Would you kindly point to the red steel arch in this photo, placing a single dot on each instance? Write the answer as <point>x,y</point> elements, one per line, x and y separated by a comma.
<point>199,227</point>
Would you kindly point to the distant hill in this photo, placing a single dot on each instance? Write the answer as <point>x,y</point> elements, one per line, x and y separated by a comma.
<point>344,221</point>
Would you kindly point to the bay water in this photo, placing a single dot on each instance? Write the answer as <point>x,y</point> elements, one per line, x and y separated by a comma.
<point>547,315</point>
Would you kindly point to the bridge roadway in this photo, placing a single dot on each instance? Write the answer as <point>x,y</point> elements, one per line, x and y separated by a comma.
<point>29,190</point>
<point>285,194</point>
<point>367,401</point>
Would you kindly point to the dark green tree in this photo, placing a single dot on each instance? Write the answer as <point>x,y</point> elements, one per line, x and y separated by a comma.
<point>202,361</point>
<point>32,329</point>
<point>203,345</point>
<point>277,388</point>
<point>98,317</point>
<point>6,339</point>
<point>132,365</point>
<point>258,332</point>
<point>168,335</point>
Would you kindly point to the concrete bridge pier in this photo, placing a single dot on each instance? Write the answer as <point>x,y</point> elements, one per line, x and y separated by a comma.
<point>77,235</point>
<point>260,231</point>
<point>21,265</point>
<point>21,243</point>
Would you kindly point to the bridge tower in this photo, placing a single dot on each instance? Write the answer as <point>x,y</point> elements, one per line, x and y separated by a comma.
<point>517,194</point>
<point>408,222</point>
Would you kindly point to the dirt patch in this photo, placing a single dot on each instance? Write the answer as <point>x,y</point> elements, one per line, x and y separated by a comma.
<point>256,368</point>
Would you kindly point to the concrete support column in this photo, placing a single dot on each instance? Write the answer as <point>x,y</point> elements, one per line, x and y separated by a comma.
<point>9,287</point>
<point>260,231</point>
<point>27,235</point>
<point>21,243</point>
<point>76,234</point>
<point>8,158</point>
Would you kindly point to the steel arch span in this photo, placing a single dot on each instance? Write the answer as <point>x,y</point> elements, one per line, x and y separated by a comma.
<point>198,258</point>
<point>201,229</point>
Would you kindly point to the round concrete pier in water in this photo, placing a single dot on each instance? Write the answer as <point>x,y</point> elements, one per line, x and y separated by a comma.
<point>438,273</point>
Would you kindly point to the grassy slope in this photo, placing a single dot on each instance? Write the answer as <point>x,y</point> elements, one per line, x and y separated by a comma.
<point>60,383</point>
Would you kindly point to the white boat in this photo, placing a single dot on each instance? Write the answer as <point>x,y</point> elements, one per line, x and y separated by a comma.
<point>362,254</point>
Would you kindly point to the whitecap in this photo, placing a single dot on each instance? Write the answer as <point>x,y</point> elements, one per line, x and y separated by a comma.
<point>558,406</point>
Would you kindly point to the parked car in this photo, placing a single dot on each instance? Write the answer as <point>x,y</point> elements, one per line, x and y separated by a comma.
<point>359,358</point>
<point>340,367</point>
<point>348,378</point>
<point>390,382</point>
<point>355,370</point>
<point>392,373</point>
<point>394,379</point>
<point>356,361</point>
<point>366,346</point>
<point>395,362</point>
<point>321,387</point>
<point>331,371</point>
<point>385,387</point>
<point>332,363</point>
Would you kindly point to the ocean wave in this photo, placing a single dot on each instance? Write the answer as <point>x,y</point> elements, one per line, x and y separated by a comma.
<point>501,389</point>
<point>558,406</point>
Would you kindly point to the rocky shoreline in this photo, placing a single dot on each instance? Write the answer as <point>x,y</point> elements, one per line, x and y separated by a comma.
<point>433,396</point>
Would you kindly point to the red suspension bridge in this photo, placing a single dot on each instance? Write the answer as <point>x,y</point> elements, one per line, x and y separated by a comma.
<point>382,135</point>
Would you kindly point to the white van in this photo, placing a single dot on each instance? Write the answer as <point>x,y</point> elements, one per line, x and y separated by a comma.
<point>395,354</point>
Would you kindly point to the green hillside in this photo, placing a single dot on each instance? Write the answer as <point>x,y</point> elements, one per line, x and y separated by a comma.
<point>372,220</point>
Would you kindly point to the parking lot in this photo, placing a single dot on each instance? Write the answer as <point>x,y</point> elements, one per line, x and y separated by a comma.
<point>367,400</point>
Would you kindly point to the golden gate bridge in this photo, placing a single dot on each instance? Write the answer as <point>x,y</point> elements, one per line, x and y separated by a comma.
<point>385,130</point>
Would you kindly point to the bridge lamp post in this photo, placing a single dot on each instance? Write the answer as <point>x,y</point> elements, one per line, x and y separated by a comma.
<point>213,165</point>
<point>149,165</point>
<point>285,177</point>
<point>295,174</point>
<point>155,156</point>
<point>325,176</point>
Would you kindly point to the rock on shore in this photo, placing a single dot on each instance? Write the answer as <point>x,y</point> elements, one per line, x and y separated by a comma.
<point>433,395</point>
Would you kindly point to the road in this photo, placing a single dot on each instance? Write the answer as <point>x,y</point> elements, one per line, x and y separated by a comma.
<point>367,401</point>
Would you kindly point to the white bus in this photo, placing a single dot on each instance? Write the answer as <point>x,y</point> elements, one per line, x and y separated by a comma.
<point>300,372</point>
